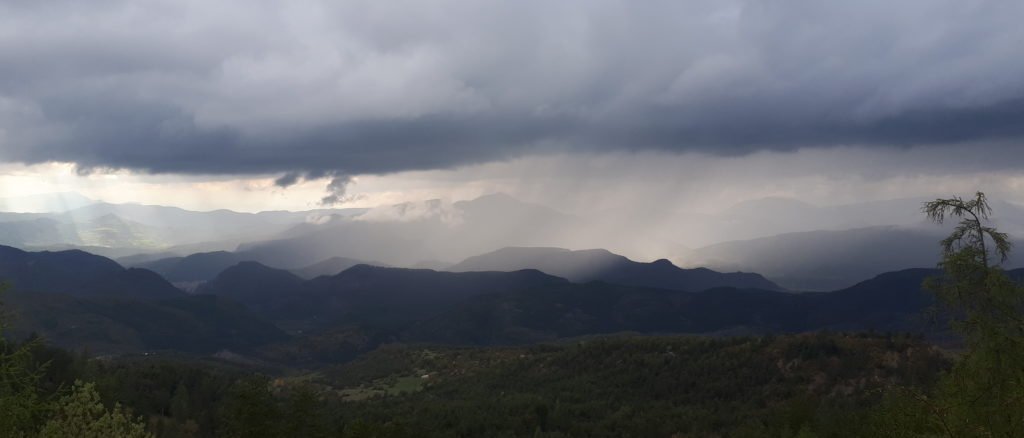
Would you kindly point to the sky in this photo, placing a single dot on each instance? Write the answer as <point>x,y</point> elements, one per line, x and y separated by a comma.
<point>587,106</point>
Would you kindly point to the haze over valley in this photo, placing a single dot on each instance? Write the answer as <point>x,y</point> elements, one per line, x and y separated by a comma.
<point>790,242</point>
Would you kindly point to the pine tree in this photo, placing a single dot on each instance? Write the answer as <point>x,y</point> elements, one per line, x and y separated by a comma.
<point>22,407</point>
<point>180,403</point>
<point>81,415</point>
<point>304,415</point>
<point>250,410</point>
<point>983,395</point>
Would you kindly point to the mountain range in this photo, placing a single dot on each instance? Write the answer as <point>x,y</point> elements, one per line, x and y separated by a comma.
<point>828,260</point>
<point>204,266</point>
<point>529,306</point>
<point>125,229</point>
<point>386,298</point>
<point>889,302</point>
<point>78,299</point>
<point>768,236</point>
<point>409,233</point>
<point>603,265</point>
<point>337,281</point>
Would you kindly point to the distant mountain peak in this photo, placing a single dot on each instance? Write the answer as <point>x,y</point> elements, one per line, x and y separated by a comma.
<point>249,265</point>
<point>530,249</point>
<point>331,266</point>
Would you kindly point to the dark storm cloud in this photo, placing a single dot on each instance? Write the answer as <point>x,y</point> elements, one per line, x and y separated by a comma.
<point>344,88</point>
<point>336,190</point>
<point>288,179</point>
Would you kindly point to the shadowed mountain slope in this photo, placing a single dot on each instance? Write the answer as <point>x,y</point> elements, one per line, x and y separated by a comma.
<point>193,324</point>
<point>382,297</point>
<point>259,287</point>
<point>528,306</point>
<point>79,300</point>
<point>79,274</point>
<point>891,302</point>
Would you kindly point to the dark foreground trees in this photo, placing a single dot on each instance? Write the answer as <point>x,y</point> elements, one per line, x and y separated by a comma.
<point>28,408</point>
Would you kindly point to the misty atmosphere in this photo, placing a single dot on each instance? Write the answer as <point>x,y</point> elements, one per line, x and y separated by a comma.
<point>500,219</point>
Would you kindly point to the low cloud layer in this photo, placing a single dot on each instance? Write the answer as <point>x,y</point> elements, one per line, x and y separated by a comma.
<point>361,87</point>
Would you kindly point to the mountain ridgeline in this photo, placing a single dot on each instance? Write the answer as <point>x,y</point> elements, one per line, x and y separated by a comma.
<point>490,307</point>
<point>602,265</point>
<point>205,266</point>
<point>384,298</point>
<point>78,299</point>
<point>80,274</point>
<point>849,242</point>
<point>830,259</point>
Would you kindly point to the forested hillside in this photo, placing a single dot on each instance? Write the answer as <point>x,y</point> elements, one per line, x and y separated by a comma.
<point>825,384</point>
